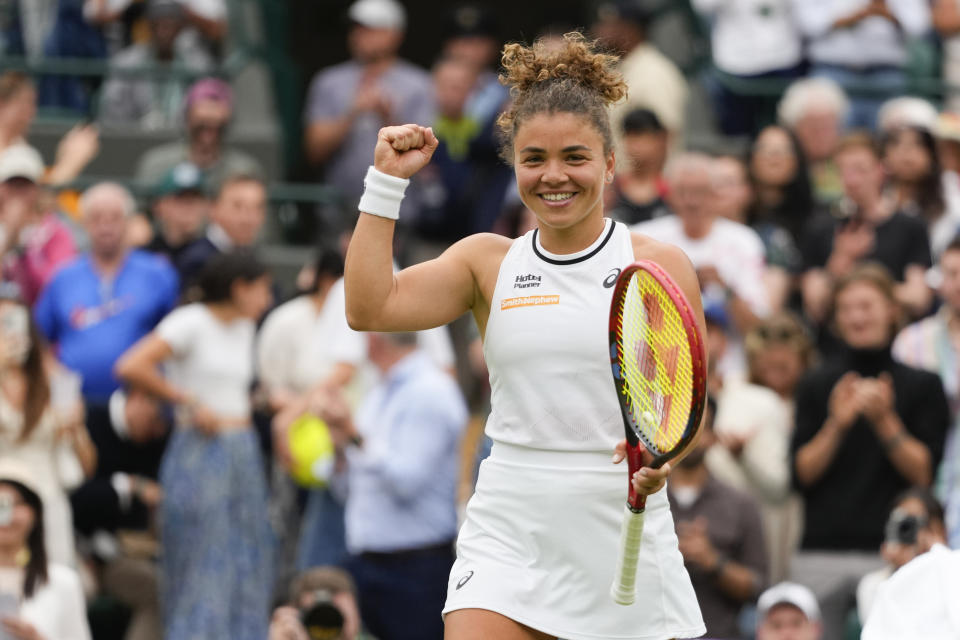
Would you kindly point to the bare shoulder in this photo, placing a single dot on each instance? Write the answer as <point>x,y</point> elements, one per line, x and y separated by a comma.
<point>481,251</point>
<point>670,257</point>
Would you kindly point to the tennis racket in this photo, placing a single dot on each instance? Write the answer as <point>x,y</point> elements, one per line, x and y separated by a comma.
<point>659,369</point>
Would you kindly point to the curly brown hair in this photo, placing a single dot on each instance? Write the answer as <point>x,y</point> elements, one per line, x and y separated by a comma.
<point>573,77</point>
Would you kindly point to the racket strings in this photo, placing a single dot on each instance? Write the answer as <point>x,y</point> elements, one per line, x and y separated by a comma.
<point>656,363</point>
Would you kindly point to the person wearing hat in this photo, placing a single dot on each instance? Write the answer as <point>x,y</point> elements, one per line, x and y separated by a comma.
<point>33,243</point>
<point>638,189</point>
<point>207,112</point>
<point>349,102</point>
<point>654,81</point>
<point>152,103</point>
<point>788,611</point>
<point>180,211</point>
<point>472,37</point>
<point>39,600</point>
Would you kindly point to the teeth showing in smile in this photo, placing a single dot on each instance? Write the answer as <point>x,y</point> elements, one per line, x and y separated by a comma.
<point>555,197</point>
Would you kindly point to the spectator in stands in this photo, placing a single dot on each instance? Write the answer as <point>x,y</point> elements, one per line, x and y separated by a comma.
<point>915,524</point>
<point>866,225</point>
<point>207,112</point>
<point>179,211</point>
<point>122,498</point>
<point>41,422</point>
<point>906,111</point>
<point>237,215</point>
<point>142,100</point>
<point>816,111</point>
<point>915,183</point>
<point>348,103</point>
<point>729,256</point>
<point>466,174</point>
<point>946,20</point>
<point>471,36</point>
<point>932,344</point>
<point>731,188</point>
<point>862,45</point>
<point>35,242</point>
<point>788,611</point>
<point>324,595</point>
<point>752,41</point>
<point>867,428</point>
<point>654,81</point>
<point>720,535</point>
<point>104,301</point>
<point>206,20</point>
<point>402,451</point>
<point>47,595</point>
<point>753,426</point>
<point>638,192</point>
<point>216,566</point>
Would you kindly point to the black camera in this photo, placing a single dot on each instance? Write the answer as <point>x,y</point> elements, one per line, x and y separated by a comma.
<point>903,527</point>
<point>322,620</point>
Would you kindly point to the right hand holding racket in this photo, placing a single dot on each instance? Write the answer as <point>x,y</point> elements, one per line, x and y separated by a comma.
<point>403,150</point>
<point>647,480</point>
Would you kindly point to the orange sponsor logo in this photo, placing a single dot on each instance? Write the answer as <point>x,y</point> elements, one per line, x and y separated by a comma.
<point>528,301</point>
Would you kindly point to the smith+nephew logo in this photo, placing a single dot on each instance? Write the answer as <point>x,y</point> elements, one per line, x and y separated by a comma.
<point>527,281</point>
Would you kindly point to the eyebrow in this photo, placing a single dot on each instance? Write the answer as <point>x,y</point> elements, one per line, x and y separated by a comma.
<point>576,147</point>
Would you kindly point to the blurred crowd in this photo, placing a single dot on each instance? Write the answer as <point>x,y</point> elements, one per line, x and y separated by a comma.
<point>188,450</point>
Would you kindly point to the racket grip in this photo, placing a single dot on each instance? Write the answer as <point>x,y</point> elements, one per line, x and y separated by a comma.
<point>624,588</point>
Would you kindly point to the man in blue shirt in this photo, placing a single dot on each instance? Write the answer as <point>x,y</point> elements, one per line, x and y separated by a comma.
<point>101,303</point>
<point>403,460</point>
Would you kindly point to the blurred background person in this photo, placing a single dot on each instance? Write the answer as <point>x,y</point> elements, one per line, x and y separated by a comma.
<point>914,183</point>
<point>34,242</point>
<point>720,535</point>
<point>114,512</point>
<point>41,422</point>
<point>348,103</point>
<point>932,344</point>
<point>207,113</point>
<point>945,15</point>
<point>104,301</point>
<point>402,449</point>
<point>47,596</point>
<point>216,564</point>
<point>180,208</point>
<point>326,596</point>
<point>867,427</point>
<point>816,111</point>
<point>788,611</point>
<point>914,525</point>
<point>751,40</point>
<point>152,103</point>
<point>638,192</point>
<point>733,193</point>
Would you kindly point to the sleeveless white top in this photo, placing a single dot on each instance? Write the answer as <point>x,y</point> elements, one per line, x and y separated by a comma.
<point>547,347</point>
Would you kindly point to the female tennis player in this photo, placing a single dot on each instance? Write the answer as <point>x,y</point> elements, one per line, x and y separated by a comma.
<point>536,554</point>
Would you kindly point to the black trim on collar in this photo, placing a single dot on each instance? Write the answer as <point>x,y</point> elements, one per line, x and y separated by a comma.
<point>613,225</point>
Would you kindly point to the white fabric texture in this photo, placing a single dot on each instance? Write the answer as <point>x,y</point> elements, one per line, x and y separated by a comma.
<point>211,360</point>
<point>752,36</point>
<point>57,609</point>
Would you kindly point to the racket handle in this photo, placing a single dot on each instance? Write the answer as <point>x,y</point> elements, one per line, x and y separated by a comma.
<point>624,588</point>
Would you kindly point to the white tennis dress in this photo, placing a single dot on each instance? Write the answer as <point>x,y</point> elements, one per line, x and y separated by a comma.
<point>541,536</point>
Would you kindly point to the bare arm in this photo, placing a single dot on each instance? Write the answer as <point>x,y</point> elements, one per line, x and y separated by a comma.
<point>814,458</point>
<point>139,367</point>
<point>909,456</point>
<point>946,17</point>
<point>423,296</point>
<point>913,293</point>
<point>325,136</point>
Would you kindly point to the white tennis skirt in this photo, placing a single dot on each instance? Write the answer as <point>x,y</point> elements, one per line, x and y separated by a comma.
<point>540,542</point>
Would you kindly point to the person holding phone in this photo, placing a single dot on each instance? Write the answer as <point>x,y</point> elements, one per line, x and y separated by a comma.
<point>39,599</point>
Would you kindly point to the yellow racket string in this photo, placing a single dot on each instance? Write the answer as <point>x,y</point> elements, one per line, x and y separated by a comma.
<point>655,362</point>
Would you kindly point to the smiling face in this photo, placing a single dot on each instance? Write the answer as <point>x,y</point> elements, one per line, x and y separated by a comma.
<point>865,316</point>
<point>561,168</point>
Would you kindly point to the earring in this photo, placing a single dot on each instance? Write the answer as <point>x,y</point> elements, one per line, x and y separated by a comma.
<point>22,558</point>
<point>609,178</point>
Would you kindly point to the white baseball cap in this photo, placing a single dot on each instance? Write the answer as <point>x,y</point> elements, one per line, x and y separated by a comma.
<point>21,161</point>
<point>378,14</point>
<point>789,593</point>
<point>13,470</point>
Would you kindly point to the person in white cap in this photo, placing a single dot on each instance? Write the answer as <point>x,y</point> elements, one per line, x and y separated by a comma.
<point>33,243</point>
<point>788,611</point>
<point>349,102</point>
<point>39,600</point>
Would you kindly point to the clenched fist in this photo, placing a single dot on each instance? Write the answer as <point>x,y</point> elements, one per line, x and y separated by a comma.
<point>403,150</point>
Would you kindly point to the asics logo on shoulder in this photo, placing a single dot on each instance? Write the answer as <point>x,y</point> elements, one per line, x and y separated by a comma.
<point>463,580</point>
<point>611,278</point>
<point>526,281</point>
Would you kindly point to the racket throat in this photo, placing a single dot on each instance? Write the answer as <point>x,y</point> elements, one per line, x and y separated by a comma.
<point>635,502</point>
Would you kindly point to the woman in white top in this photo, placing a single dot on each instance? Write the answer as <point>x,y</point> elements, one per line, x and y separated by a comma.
<point>39,600</point>
<point>217,546</point>
<point>537,551</point>
<point>40,425</point>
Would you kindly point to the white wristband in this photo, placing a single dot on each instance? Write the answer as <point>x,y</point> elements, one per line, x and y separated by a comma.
<point>382,194</point>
